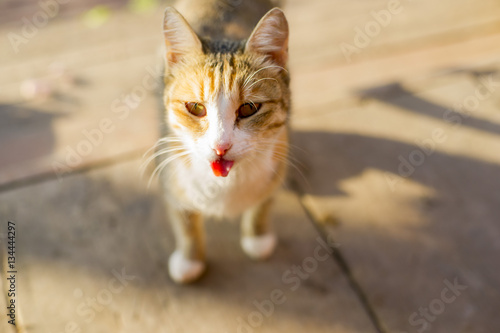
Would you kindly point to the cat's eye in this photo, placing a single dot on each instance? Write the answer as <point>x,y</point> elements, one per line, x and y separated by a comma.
<point>248,109</point>
<point>196,109</point>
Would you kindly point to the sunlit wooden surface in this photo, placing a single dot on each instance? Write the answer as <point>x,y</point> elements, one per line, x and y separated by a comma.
<point>396,131</point>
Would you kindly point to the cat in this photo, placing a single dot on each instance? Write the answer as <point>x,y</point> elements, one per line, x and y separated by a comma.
<point>226,114</point>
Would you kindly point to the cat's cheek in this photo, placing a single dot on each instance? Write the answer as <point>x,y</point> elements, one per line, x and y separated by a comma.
<point>174,124</point>
<point>242,143</point>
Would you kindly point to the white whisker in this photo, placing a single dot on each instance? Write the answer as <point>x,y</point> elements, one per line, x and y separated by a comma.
<point>163,164</point>
<point>144,165</point>
<point>265,78</point>
<point>254,73</point>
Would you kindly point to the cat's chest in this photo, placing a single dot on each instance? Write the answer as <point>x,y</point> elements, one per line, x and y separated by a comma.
<point>246,185</point>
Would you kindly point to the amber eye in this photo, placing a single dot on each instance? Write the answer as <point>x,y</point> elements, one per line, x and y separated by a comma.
<point>248,109</point>
<point>196,109</point>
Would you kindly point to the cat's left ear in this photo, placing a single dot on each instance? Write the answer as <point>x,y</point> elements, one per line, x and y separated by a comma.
<point>180,38</point>
<point>270,37</point>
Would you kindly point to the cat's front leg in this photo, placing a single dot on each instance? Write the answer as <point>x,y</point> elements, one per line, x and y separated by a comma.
<point>257,240</point>
<point>187,263</point>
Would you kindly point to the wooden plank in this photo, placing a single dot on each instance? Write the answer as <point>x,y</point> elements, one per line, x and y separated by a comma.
<point>411,231</point>
<point>331,84</point>
<point>76,45</point>
<point>88,124</point>
<point>12,11</point>
<point>319,28</point>
<point>79,234</point>
<point>106,92</point>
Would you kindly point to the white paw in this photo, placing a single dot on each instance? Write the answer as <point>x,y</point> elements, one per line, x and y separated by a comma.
<point>259,247</point>
<point>183,270</point>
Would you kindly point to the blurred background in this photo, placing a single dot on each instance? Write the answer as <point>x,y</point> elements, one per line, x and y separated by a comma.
<point>396,157</point>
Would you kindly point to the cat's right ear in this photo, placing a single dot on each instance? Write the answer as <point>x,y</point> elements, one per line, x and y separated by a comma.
<point>180,38</point>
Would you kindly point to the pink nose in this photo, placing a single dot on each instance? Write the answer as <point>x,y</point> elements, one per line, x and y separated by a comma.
<point>221,150</point>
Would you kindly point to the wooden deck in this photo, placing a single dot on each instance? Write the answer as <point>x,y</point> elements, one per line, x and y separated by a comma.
<point>407,187</point>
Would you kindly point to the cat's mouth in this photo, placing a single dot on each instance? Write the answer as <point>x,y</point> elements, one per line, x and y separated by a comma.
<point>221,167</point>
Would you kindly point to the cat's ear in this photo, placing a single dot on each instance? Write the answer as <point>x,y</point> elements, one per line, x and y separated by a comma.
<point>270,37</point>
<point>180,38</point>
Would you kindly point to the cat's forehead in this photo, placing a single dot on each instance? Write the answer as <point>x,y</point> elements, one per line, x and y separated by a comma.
<point>224,64</point>
<point>236,76</point>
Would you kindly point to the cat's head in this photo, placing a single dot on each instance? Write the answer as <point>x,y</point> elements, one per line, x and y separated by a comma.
<point>227,101</point>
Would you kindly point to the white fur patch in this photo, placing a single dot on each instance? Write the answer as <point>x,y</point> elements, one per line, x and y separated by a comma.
<point>259,247</point>
<point>183,270</point>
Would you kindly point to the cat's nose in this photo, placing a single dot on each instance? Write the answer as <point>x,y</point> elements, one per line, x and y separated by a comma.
<point>221,150</point>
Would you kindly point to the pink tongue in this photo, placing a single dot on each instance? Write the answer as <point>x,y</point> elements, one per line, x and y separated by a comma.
<point>221,167</point>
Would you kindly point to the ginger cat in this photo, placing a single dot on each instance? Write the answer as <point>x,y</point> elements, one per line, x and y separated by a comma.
<point>227,102</point>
